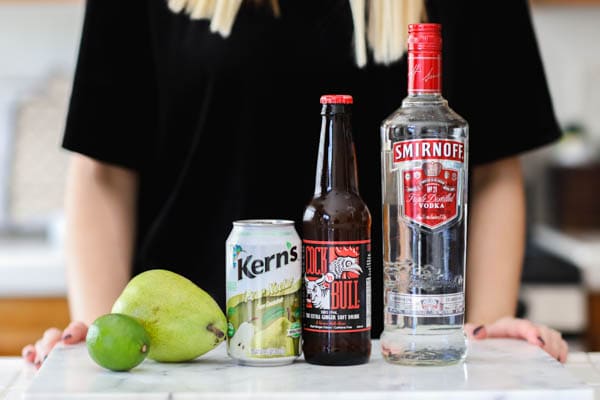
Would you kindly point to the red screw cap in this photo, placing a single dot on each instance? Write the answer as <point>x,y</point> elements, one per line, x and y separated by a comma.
<point>425,37</point>
<point>336,99</point>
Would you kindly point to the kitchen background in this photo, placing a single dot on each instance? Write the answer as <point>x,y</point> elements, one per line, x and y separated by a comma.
<point>38,49</point>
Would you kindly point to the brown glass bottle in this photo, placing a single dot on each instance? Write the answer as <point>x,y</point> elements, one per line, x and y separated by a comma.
<point>336,236</point>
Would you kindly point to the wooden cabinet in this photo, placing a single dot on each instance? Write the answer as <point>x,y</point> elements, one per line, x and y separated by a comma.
<point>24,320</point>
<point>592,337</point>
<point>573,197</point>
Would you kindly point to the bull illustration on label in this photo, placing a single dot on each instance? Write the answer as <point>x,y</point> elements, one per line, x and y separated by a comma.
<point>344,266</point>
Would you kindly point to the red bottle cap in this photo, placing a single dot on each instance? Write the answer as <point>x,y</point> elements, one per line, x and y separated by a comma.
<point>425,37</point>
<point>336,99</point>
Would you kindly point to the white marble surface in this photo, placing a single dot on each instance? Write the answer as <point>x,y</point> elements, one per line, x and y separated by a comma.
<point>9,369</point>
<point>15,377</point>
<point>495,369</point>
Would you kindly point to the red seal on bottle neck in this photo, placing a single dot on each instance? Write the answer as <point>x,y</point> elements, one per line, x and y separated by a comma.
<point>336,99</point>
<point>424,58</point>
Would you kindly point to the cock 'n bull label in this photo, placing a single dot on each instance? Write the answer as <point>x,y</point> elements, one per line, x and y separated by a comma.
<point>337,286</point>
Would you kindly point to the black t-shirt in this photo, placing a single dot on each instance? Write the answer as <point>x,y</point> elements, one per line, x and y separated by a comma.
<point>225,129</point>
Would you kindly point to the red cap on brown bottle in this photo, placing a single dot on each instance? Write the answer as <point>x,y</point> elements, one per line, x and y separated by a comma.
<point>336,99</point>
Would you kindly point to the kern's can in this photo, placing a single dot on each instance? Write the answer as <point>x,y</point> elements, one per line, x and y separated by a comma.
<point>264,292</point>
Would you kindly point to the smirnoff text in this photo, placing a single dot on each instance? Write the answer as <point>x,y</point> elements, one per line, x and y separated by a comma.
<point>429,149</point>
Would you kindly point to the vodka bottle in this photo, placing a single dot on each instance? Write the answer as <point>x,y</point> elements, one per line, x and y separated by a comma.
<point>425,175</point>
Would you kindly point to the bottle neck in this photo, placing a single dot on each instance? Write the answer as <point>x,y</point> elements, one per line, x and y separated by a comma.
<point>424,73</point>
<point>336,165</point>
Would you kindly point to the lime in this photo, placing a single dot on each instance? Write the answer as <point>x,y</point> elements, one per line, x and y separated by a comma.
<point>117,342</point>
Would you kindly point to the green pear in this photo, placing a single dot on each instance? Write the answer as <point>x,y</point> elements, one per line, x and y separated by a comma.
<point>182,320</point>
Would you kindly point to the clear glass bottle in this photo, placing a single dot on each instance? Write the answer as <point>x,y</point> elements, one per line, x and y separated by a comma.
<point>425,175</point>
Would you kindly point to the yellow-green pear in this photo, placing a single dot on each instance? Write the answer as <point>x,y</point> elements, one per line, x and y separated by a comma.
<point>182,320</point>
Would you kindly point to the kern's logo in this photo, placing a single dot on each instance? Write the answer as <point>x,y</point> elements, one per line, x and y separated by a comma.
<point>251,267</point>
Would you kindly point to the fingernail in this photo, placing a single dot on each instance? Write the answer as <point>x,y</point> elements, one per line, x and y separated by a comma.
<point>28,353</point>
<point>476,330</point>
<point>67,336</point>
<point>541,340</point>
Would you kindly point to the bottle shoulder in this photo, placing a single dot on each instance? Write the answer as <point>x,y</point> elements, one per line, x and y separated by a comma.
<point>425,113</point>
<point>424,119</point>
<point>336,203</point>
<point>338,198</point>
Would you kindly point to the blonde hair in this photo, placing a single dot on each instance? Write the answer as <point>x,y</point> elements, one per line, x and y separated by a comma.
<point>379,24</point>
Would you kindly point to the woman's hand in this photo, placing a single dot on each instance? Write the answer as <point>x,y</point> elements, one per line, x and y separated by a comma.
<point>37,353</point>
<point>509,327</point>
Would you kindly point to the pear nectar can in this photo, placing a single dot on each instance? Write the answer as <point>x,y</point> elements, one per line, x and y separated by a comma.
<point>264,292</point>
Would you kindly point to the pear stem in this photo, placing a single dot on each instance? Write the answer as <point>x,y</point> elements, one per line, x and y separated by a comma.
<point>218,333</point>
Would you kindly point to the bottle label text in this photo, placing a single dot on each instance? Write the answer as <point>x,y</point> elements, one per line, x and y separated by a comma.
<point>431,172</point>
<point>337,279</point>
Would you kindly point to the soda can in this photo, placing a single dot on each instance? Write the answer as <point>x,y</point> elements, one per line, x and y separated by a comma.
<point>264,292</point>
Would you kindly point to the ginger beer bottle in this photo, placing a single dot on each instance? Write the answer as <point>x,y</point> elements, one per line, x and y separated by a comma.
<point>336,249</point>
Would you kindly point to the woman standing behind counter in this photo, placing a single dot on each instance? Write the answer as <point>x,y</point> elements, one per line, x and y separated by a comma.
<point>184,115</point>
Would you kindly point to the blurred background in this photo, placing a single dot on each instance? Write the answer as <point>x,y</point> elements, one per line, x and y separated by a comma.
<point>38,49</point>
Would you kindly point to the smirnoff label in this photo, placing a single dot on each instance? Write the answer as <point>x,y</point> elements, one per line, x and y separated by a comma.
<point>432,177</point>
<point>337,282</point>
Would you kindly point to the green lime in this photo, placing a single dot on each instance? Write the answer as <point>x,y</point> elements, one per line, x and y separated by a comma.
<point>117,342</point>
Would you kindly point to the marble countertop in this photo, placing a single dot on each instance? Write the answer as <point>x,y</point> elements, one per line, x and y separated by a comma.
<point>495,369</point>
